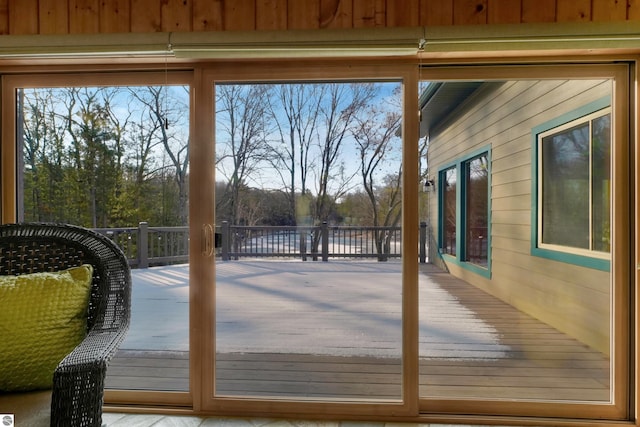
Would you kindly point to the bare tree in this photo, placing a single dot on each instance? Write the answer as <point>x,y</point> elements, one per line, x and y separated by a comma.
<point>338,114</point>
<point>118,122</point>
<point>241,142</point>
<point>146,166</point>
<point>33,142</point>
<point>379,150</point>
<point>92,151</point>
<point>295,111</point>
<point>168,113</point>
<point>97,156</point>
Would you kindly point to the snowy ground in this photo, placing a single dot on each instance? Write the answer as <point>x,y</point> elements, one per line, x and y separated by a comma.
<point>337,308</point>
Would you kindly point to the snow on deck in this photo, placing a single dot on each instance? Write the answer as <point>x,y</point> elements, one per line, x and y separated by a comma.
<point>343,308</point>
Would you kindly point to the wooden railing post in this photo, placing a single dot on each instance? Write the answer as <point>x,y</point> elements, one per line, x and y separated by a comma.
<point>303,243</point>
<point>325,241</point>
<point>423,242</point>
<point>225,240</point>
<point>315,242</point>
<point>386,245</point>
<point>143,245</point>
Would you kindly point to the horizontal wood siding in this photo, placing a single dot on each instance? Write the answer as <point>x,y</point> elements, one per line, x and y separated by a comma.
<point>92,16</point>
<point>571,298</point>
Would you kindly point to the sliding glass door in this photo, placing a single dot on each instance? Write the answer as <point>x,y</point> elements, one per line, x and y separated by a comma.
<point>524,304</point>
<point>359,241</point>
<point>308,208</point>
<point>111,153</point>
<point>309,290</point>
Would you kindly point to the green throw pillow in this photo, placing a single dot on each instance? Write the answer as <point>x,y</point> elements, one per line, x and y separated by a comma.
<point>43,317</point>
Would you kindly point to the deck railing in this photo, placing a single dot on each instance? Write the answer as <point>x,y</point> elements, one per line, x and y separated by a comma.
<point>146,246</point>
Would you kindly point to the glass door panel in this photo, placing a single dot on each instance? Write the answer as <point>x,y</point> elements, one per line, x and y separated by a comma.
<point>308,271</point>
<point>115,159</point>
<point>518,302</point>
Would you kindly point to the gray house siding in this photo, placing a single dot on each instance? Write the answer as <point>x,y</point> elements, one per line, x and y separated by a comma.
<point>572,298</point>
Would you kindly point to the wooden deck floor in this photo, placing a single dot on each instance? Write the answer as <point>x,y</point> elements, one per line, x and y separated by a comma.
<point>539,363</point>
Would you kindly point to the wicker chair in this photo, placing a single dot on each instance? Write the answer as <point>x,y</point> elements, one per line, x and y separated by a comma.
<point>78,382</point>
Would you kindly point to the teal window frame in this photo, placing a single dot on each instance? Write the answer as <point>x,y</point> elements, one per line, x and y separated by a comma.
<point>461,212</point>
<point>442,217</point>
<point>593,262</point>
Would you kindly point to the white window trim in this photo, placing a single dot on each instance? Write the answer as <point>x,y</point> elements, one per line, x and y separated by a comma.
<point>540,137</point>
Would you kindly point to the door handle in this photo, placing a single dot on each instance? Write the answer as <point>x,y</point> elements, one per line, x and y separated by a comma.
<point>207,240</point>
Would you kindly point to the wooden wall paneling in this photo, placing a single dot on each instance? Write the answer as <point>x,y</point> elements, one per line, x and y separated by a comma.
<point>469,12</point>
<point>84,17</point>
<point>207,15</point>
<point>145,16</point>
<point>4,16</point>
<point>115,16</point>
<point>22,20</point>
<point>538,11</point>
<point>369,13</point>
<point>271,14</point>
<point>53,17</point>
<point>175,15</point>
<point>504,12</point>
<point>403,13</point>
<point>573,10</point>
<point>608,10</point>
<point>436,12</point>
<point>336,14</point>
<point>633,10</point>
<point>239,14</point>
<point>303,15</point>
<point>110,16</point>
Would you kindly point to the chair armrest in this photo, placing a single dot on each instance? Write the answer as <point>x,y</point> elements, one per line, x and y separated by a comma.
<point>78,381</point>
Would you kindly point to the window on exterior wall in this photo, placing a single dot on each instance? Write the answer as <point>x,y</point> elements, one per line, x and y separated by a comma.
<point>464,215</point>
<point>574,186</point>
<point>449,211</point>
<point>477,210</point>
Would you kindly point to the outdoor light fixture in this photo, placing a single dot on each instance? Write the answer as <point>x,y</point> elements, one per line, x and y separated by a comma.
<point>429,185</point>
